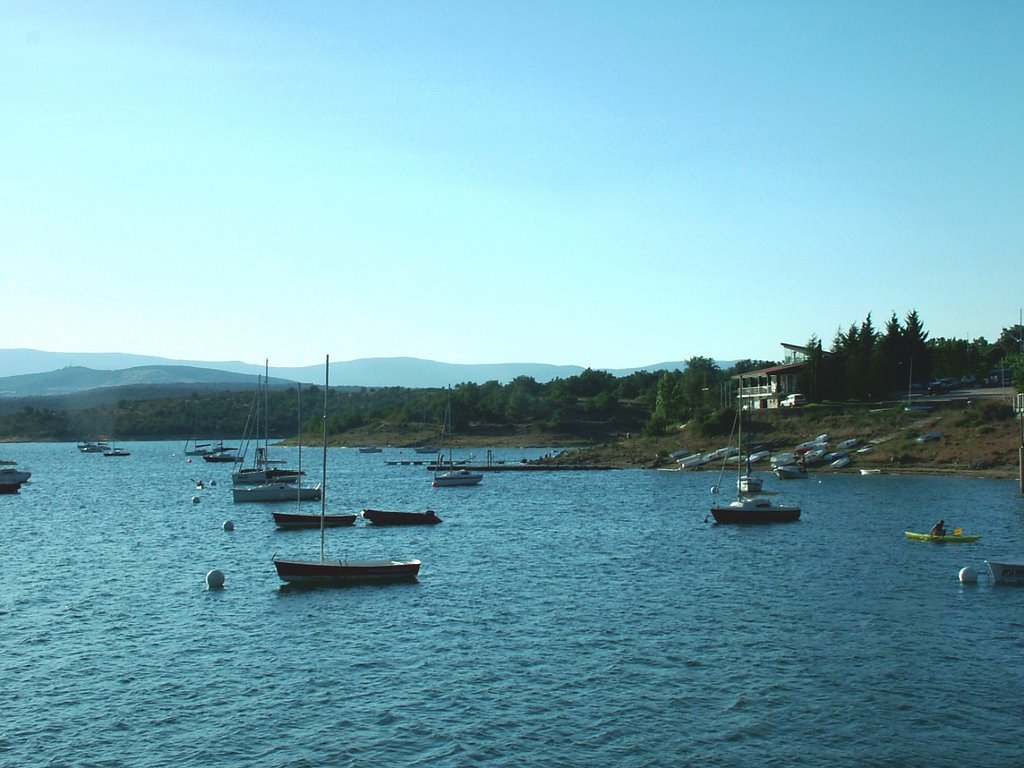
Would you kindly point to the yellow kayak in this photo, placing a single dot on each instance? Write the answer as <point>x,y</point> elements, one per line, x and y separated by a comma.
<point>941,539</point>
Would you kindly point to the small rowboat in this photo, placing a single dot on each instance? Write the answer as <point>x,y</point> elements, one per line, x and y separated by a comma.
<point>940,539</point>
<point>389,517</point>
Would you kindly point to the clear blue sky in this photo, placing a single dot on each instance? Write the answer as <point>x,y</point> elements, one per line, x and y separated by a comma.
<point>603,184</point>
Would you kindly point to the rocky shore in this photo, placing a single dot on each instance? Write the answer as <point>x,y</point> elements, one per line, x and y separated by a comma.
<point>979,437</point>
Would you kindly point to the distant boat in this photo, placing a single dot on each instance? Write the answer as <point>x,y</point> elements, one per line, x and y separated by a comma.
<point>370,449</point>
<point>324,572</point>
<point>222,454</point>
<point>453,476</point>
<point>391,517</point>
<point>263,481</point>
<point>92,447</point>
<point>749,484</point>
<point>456,477</point>
<point>113,451</point>
<point>790,471</point>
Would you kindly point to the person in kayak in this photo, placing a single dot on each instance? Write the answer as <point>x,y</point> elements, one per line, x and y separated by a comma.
<point>939,529</point>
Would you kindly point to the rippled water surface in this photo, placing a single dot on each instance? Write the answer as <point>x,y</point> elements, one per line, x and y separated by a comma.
<point>561,619</point>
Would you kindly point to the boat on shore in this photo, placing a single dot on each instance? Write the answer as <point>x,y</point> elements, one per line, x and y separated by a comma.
<point>395,517</point>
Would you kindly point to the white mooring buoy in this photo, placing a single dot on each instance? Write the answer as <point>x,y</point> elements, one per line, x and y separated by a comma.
<point>228,525</point>
<point>968,575</point>
<point>215,579</point>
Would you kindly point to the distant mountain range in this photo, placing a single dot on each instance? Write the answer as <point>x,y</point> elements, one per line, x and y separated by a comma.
<point>35,373</point>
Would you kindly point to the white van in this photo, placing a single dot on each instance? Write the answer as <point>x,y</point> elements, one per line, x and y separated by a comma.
<point>789,401</point>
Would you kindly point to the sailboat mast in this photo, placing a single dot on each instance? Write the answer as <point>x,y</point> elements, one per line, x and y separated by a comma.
<point>323,480</point>
<point>298,410</point>
<point>266,411</point>
<point>739,435</point>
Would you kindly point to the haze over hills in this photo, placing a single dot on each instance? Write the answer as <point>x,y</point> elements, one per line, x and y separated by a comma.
<point>35,373</point>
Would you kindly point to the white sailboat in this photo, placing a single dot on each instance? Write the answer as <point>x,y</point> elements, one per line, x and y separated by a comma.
<point>263,481</point>
<point>747,508</point>
<point>452,476</point>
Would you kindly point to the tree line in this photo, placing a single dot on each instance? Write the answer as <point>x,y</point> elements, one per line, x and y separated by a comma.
<point>862,364</point>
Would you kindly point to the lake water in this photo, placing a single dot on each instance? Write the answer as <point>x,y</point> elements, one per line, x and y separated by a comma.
<point>560,619</point>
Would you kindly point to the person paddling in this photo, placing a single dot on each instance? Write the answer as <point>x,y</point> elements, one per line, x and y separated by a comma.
<point>939,529</point>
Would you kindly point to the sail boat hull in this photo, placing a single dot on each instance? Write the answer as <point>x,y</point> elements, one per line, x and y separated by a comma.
<point>275,492</point>
<point>457,477</point>
<point>300,520</point>
<point>755,511</point>
<point>329,572</point>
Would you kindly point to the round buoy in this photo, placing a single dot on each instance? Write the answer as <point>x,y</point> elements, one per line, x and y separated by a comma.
<point>215,579</point>
<point>968,575</point>
<point>195,499</point>
<point>228,525</point>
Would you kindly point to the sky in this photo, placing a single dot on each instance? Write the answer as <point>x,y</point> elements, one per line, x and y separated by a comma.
<point>594,183</point>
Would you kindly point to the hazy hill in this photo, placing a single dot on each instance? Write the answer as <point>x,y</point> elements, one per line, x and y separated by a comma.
<point>29,372</point>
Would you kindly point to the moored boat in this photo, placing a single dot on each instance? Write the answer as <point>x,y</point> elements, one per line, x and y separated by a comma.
<point>746,509</point>
<point>324,572</point>
<point>301,520</point>
<point>10,487</point>
<point>9,475</point>
<point>394,517</point>
<point>457,477</point>
<point>758,510</point>
<point>790,471</point>
<point>1005,573</point>
<point>343,572</point>
<point>749,484</point>
<point>275,492</point>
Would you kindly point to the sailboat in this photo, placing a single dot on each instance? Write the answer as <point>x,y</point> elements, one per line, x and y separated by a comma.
<point>263,481</point>
<point>192,448</point>
<point>747,508</point>
<point>324,572</point>
<point>452,476</point>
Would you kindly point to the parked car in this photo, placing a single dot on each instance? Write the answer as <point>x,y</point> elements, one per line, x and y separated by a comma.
<point>793,400</point>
